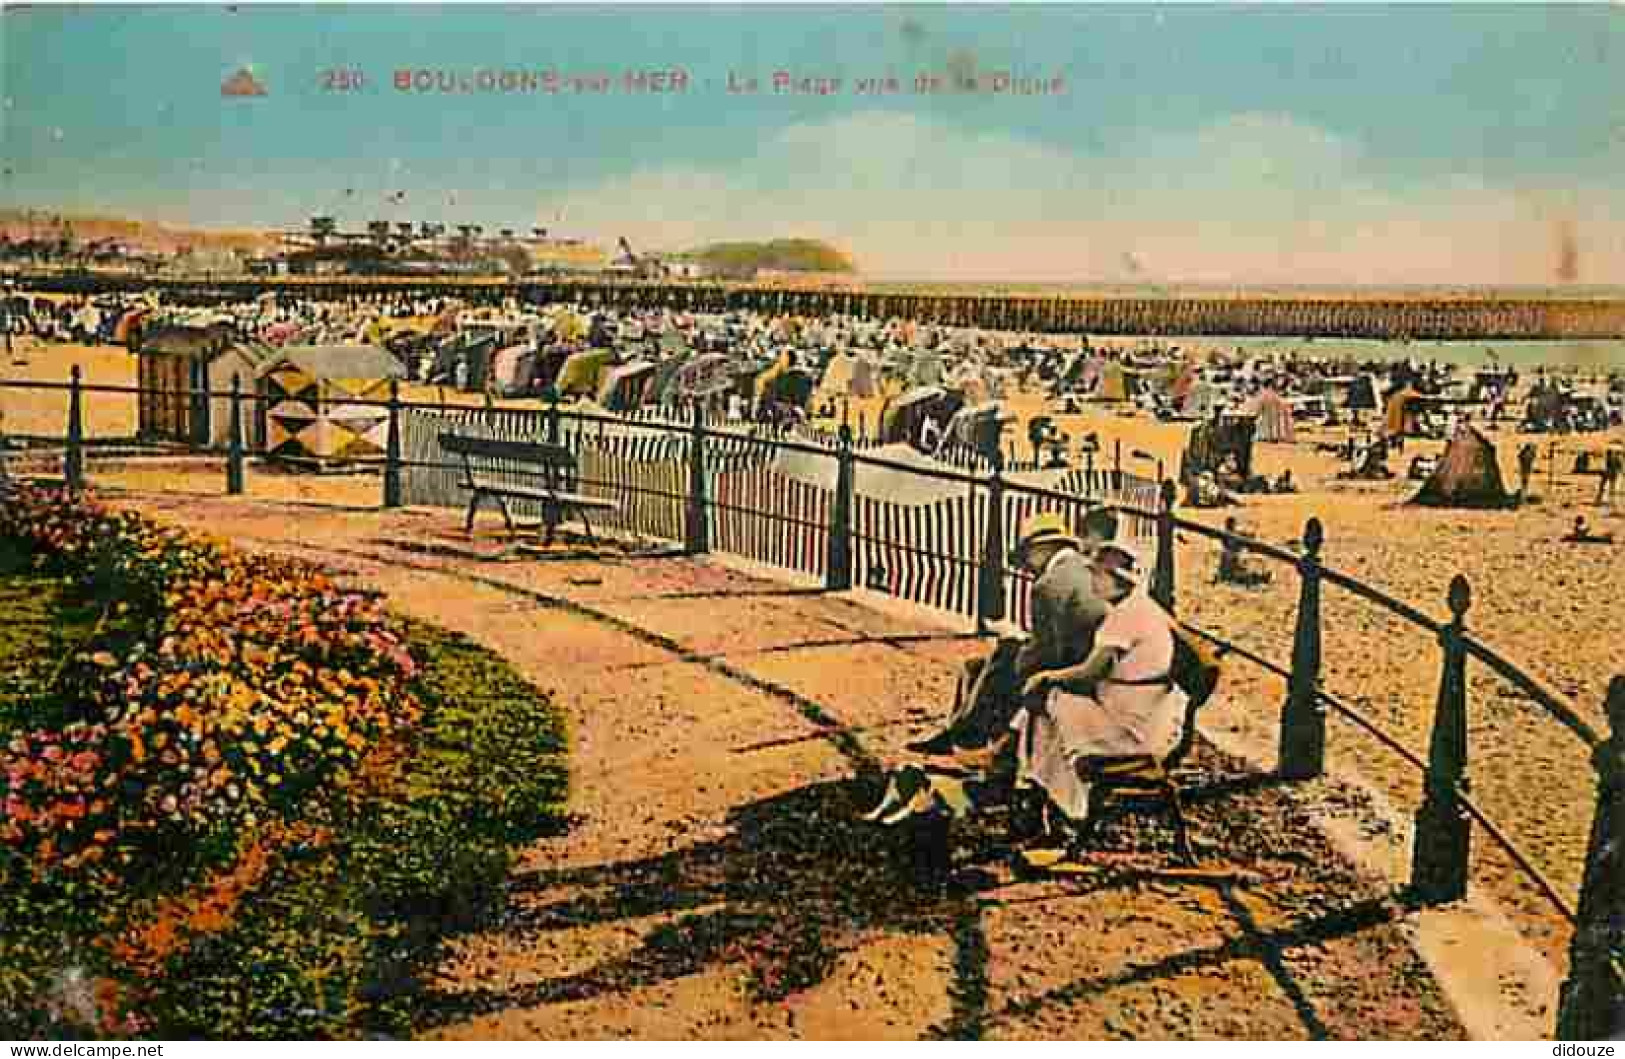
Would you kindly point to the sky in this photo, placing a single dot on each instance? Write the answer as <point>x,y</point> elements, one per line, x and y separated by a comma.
<point>1200,143</point>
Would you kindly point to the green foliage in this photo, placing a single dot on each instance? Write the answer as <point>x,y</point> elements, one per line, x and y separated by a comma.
<point>463,761</point>
<point>291,967</point>
<point>421,861</point>
<point>741,260</point>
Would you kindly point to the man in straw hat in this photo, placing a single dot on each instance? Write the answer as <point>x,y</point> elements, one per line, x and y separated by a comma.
<point>1121,700</point>
<point>1066,612</point>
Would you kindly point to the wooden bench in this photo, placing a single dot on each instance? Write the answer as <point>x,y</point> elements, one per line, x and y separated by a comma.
<point>484,459</point>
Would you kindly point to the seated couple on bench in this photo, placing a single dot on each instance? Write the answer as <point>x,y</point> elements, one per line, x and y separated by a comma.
<point>1088,698</point>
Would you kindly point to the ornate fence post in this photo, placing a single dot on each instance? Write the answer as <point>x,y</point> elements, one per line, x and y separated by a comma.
<point>990,578</point>
<point>838,559</point>
<point>552,416</point>
<point>1443,831</point>
<point>1303,719</point>
<point>392,448</point>
<point>73,460</point>
<point>234,439</point>
<point>1117,465</point>
<point>1162,578</point>
<point>1592,1005</point>
<point>697,536</point>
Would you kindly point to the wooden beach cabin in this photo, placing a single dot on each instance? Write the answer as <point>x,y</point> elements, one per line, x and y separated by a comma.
<point>309,395</point>
<point>177,365</point>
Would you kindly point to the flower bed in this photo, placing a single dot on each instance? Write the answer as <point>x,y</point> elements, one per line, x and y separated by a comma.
<point>228,763</point>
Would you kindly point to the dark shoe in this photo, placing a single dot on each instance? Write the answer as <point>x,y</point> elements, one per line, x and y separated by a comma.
<point>1026,816</point>
<point>942,743</point>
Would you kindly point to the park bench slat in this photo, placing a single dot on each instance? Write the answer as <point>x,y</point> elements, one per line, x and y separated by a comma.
<point>556,467</point>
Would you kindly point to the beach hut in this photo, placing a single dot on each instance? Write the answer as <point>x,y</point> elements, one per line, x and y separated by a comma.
<point>925,368</point>
<point>1467,475</point>
<point>624,385</point>
<point>902,420</point>
<point>1117,383</point>
<point>580,374</point>
<point>979,428</point>
<point>1201,400</point>
<point>309,393</point>
<point>792,387</point>
<point>663,387</point>
<point>512,370</point>
<point>838,376</point>
<point>705,375</point>
<point>1274,418</point>
<point>1402,415</point>
<point>177,366</point>
<point>1362,394</point>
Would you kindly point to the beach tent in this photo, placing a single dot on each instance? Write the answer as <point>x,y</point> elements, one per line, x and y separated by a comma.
<point>624,386</point>
<point>129,325</point>
<point>705,375</point>
<point>512,370</point>
<point>764,381</point>
<point>309,392</point>
<point>1467,475</point>
<point>979,427</point>
<point>1201,400</point>
<point>838,375</point>
<point>1184,383</point>
<point>925,368</point>
<point>792,387</point>
<point>580,374</point>
<point>549,362</point>
<point>1274,417</point>
<point>902,419</point>
<point>663,387</point>
<point>1362,394</point>
<point>1402,416</point>
<point>1117,383</point>
<point>865,377</point>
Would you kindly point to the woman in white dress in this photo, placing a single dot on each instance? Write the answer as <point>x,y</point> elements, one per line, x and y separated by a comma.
<point>1121,700</point>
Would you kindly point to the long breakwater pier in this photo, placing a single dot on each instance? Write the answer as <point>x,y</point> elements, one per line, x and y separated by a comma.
<point>1420,316</point>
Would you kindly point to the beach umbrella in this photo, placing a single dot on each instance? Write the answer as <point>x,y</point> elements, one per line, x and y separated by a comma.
<point>623,387</point>
<point>580,374</point>
<point>705,375</point>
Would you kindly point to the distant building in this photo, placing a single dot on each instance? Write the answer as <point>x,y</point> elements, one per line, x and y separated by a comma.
<point>687,269</point>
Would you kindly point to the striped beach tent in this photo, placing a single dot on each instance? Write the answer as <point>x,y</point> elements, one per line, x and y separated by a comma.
<point>1274,417</point>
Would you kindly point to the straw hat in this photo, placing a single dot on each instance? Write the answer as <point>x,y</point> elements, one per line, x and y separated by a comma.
<point>1127,564</point>
<point>1046,527</point>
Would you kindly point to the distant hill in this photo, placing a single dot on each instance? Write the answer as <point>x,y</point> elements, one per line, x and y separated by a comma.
<point>742,260</point>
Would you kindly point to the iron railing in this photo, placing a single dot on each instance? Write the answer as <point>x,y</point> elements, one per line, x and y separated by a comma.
<point>714,490</point>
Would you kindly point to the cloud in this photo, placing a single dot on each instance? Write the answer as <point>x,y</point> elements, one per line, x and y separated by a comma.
<point>1254,197</point>
<point>242,83</point>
